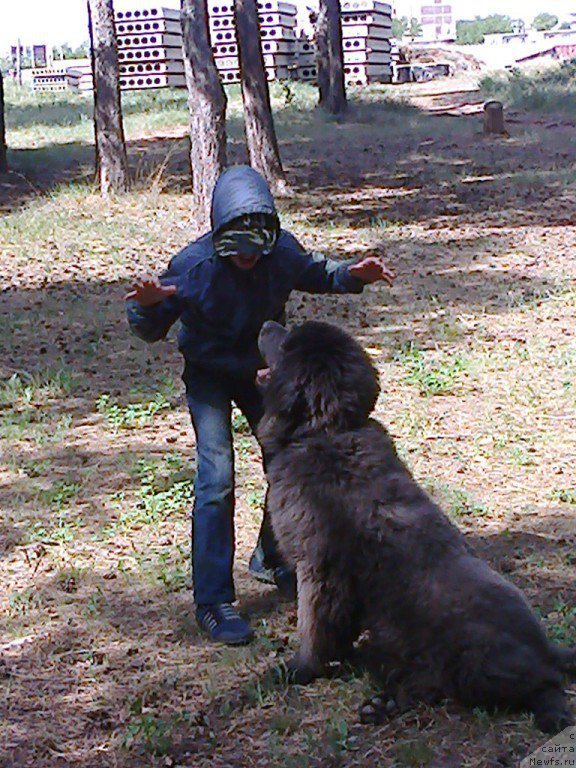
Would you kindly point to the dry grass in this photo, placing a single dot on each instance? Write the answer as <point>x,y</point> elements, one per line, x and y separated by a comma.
<point>102,664</point>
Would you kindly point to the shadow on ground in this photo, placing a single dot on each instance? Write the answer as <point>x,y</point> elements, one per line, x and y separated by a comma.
<point>386,162</point>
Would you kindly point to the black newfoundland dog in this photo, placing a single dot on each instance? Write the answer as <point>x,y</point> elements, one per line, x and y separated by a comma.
<point>373,552</point>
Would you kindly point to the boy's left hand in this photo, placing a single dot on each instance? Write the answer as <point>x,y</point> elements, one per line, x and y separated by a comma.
<point>371,270</point>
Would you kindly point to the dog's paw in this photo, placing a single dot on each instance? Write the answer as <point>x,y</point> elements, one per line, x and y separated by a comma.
<point>554,721</point>
<point>377,710</point>
<point>298,673</point>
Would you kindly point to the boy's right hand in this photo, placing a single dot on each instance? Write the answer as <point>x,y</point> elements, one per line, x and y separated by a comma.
<point>148,290</point>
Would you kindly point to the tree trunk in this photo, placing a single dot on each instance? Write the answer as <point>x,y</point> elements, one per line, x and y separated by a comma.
<point>329,34</point>
<point>3,158</point>
<point>112,162</point>
<point>206,103</point>
<point>260,132</point>
<point>322,56</point>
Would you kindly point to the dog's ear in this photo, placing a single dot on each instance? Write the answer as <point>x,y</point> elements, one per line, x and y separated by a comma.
<point>289,400</point>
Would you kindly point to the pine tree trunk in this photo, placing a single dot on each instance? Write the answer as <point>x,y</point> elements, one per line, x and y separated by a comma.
<point>206,104</point>
<point>3,158</point>
<point>329,32</point>
<point>260,133</point>
<point>322,56</point>
<point>112,162</point>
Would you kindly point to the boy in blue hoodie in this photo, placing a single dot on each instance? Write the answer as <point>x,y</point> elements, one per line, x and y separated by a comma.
<point>222,288</point>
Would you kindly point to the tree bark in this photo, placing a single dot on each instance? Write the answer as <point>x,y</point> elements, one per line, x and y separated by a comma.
<point>322,55</point>
<point>112,162</point>
<point>206,104</point>
<point>330,57</point>
<point>3,151</point>
<point>260,133</point>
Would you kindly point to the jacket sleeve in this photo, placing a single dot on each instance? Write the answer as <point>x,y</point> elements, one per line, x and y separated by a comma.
<point>153,323</point>
<point>317,274</point>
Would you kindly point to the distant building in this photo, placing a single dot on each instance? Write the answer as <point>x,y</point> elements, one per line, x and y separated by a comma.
<point>438,22</point>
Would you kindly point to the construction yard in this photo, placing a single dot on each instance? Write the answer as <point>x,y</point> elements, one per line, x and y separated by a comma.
<point>101,662</point>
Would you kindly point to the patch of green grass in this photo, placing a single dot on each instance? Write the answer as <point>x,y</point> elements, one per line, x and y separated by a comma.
<point>59,494</point>
<point>58,530</point>
<point>522,456</point>
<point>458,503</point>
<point>432,373</point>
<point>256,498</point>
<point>548,90</point>
<point>175,580</point>
<point>152,733</point>
<point>34,425</point>
<point>23,602</point>
<point>240,424</point>
<point>133,415</point>
<point>37,387</point>
<point>35,467</point>
<point>338,736</point>
<point>414,754</point>
<point>561,624</point>
<point>157,499</point>
<point>284,723</point>
<point>69,579</point>
<point>565,495</point>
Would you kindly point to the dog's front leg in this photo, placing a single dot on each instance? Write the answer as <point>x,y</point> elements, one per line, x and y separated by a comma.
<point>325,625</point>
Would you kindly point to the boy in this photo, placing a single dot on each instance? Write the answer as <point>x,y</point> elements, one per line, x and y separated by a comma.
<point>223,287</point>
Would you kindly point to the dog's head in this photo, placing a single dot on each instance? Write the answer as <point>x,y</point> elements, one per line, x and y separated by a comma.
<point>319,378</point>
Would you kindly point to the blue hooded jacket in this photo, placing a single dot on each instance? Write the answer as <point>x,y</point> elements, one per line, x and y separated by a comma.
<point>222,308</point>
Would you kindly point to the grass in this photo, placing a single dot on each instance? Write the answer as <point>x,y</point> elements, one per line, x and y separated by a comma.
<point>35,120</point>
<point>131,416</point>
<point>475,347</point>
<point>431,373</point>
<point>36,387</point>
<point>550,90</point>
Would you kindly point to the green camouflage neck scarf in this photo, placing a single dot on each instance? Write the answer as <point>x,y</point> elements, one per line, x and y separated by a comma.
<point>253,233</point>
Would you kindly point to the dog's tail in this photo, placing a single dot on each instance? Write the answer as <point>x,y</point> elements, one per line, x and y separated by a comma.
<point>567,659</point>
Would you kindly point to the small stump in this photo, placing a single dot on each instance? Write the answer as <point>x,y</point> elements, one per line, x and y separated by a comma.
<point>494,119</point>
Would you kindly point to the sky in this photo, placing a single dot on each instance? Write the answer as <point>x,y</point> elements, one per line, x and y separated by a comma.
<point>61,21</point>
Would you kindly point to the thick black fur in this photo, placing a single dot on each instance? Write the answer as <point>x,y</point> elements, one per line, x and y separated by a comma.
<point>373,552</point>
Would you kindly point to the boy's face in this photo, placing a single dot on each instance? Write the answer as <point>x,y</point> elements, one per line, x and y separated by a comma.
<point>246,239</point>
<point>245,261</point>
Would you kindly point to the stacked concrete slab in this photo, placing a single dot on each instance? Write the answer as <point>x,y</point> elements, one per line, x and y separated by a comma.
<point>366,34</point>
<point>277,30</point>
<point>56,77</point>
<point>305,59</point>
<point>150,48</point>
<point>80,78</point>
<point>48,79</point>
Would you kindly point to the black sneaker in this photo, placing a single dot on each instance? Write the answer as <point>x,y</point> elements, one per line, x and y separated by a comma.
<point>257,569</point>
<point>223,624</point>
<point>280,576</point>
<point>285,581</point>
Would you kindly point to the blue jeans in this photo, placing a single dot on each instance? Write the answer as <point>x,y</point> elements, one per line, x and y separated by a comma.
<point>210,398</point>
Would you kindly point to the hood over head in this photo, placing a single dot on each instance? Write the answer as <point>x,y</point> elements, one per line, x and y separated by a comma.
<point>240,190</point>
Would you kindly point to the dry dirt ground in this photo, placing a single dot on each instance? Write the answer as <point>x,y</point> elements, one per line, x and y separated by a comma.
<point>101,662</point>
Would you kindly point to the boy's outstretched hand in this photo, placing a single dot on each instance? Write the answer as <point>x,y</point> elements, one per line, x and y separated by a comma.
<point>371,270</point>
<point>148,290</point>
